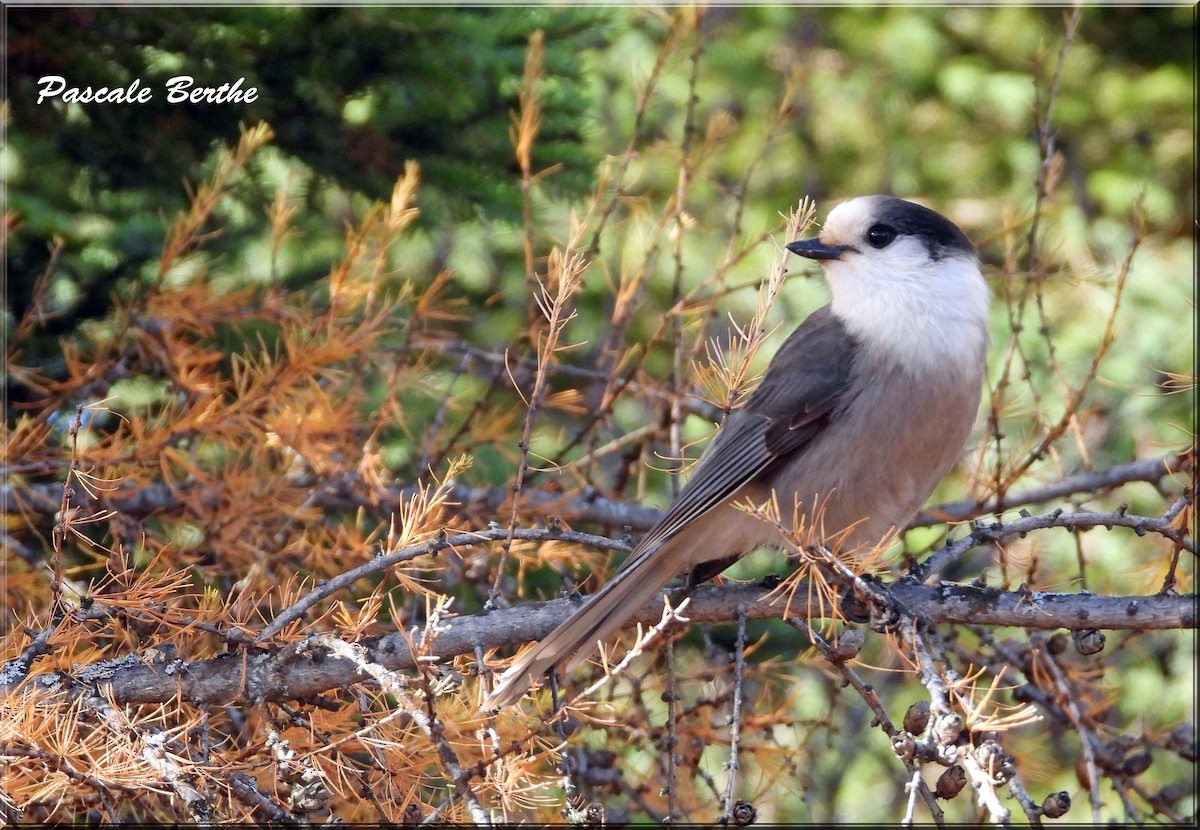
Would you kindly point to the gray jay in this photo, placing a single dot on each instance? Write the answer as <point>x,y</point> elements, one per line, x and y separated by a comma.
<point>858,416</point>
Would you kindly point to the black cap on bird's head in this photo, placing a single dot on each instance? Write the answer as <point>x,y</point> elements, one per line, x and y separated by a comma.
<point>890,218</point>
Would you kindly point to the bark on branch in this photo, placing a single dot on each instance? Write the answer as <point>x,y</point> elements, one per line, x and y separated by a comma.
<point>285,674</point>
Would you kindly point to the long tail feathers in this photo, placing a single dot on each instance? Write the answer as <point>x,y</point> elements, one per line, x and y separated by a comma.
<point>575,640</point>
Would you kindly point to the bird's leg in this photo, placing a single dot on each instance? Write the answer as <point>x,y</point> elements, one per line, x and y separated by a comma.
<point>707,570</point>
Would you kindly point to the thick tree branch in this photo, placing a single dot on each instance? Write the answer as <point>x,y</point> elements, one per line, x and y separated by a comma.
<point>283,674</point>
<point>345,579</point>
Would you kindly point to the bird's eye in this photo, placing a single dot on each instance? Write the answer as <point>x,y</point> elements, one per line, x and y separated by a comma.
<point>880,236</point>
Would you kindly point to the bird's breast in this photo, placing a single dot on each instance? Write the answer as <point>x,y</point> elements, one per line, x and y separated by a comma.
<point>881,456</point>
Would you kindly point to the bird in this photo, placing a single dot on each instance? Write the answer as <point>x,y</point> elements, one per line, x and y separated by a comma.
<point>858,416</point>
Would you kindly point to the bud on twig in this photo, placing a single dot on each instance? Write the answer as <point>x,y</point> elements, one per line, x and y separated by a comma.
<point>1056,804</point>
<point>904,746</point>
<point>997,763</point>
<point>1089,641</point>
<point>1137,763</point>
<point>917,717</point>
<point>1182,740</point>
<point>947,728</point>
<point>884,619</point>
<point>744,814</point>
<point>951,782</point>
<point>849,643</point>
<point>1172,794</point>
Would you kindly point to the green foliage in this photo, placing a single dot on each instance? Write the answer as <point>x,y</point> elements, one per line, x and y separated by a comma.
<point>351,94</point>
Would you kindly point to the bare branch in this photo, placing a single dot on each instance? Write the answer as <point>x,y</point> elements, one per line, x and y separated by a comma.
<point>867,692</point>
<point>1094,482</point>
<point>268,675</point>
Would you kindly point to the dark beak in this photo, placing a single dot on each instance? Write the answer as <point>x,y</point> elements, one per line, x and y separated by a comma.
<point>815,249</point>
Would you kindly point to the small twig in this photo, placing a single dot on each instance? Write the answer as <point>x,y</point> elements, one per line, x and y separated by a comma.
<point>1185,502</point>
<point>648,87</point>
<point>36,314</point>
<point>1082,520</point>
<point>927,671</point>
<point>64,515</point>
<point>399,689</point>
<point>1047,179</point>
<point>1076,395</point>
<point>1032,811</point>
<point>678,214</point>
<point>913,786</point>
<point>1079,722</point>
<point>16,669</point>
<point>670,615</point>
<point>672,698</point>
<point>439,416</point>
<point>566,273</point>
<point>1094,482</point>
<point>985,790</point>
<point>871,698</point>
<point>246,790</point>
<point>735,718</point>
<point>523,134</point>
<point>1045,137</point>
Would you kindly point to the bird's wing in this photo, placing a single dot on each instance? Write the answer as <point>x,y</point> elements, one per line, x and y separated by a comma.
<point>805,385</point>
<point>802,390</point>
